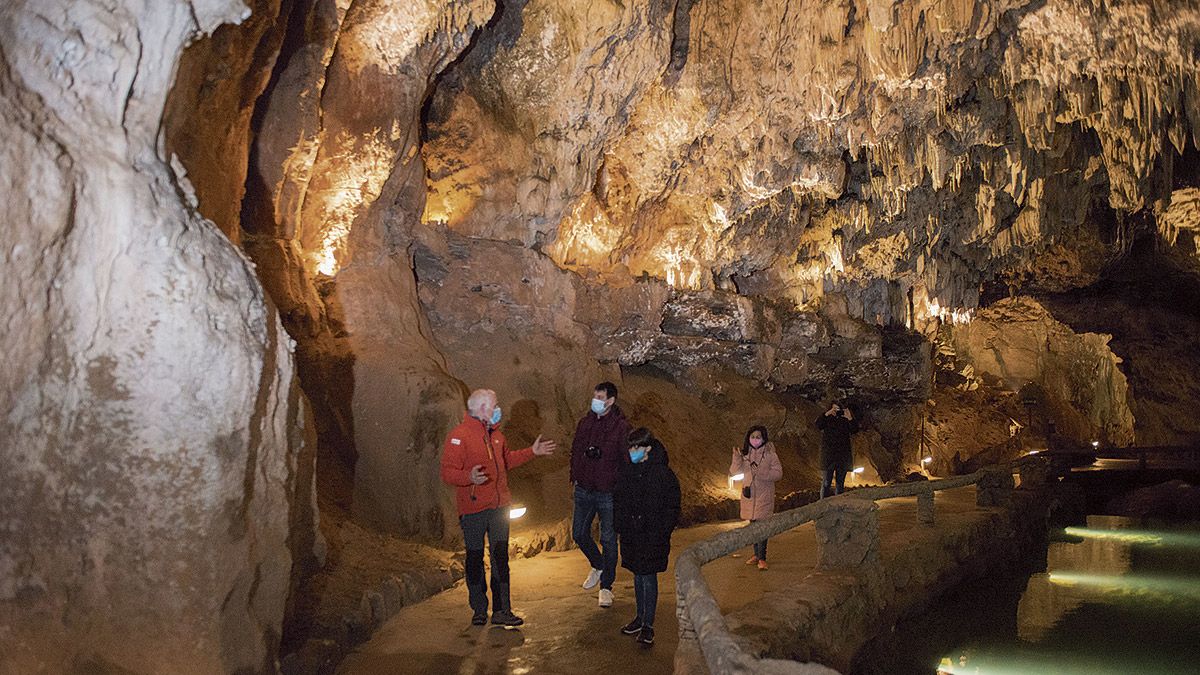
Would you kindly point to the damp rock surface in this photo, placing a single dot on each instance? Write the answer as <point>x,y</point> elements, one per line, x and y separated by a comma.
<point>152,422</point>
<point>260,249</point>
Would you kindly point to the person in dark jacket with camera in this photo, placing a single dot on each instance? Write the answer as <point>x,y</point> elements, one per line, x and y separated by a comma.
<point>646,510</point>
<point>597,453</point>
<point>836,425</point>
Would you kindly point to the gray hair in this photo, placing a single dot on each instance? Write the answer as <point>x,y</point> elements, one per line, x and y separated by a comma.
<point>479,399</point>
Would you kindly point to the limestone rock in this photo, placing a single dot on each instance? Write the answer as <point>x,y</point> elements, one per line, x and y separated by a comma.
<point>152,427</point>
<point>1018,341</point>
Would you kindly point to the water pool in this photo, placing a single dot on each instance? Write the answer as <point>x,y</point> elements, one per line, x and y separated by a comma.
<point>1114,597</point>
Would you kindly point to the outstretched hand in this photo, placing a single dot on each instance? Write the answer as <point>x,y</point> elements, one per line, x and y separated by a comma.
<point>542,448</point>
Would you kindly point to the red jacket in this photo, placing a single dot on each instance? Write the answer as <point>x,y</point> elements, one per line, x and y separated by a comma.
<point>469,444</point>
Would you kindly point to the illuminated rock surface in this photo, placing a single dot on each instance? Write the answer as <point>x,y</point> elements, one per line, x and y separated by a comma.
<point>155,497</point>
<point>733,210</point>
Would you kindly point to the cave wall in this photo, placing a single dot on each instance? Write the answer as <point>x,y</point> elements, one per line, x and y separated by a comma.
<point>698,367</point>
<point>152,421</point>
<point>734,210</point>
<point>853,171</point>
<point>1081,387</point>
<point>334,191</point>
<point>846,174</point>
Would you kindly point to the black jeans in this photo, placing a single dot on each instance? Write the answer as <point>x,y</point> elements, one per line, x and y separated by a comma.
<point>493,523</point>
<point>838,475</point>
<point>760,548</point>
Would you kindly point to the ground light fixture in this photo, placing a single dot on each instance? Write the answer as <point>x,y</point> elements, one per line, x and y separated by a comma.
<point>1095,444</point>
<point>516,511</point>
<point>926,460</point>
<point>735,477</point>
<point>859,469</point>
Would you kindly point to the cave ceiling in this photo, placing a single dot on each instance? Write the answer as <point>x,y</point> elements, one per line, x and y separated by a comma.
<point>794,148</point>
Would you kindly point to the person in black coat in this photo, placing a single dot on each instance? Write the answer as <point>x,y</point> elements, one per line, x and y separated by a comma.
<point>836,425</point>
<point>645,512</point>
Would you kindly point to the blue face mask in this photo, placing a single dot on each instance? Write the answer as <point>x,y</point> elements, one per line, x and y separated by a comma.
<point>637,455</point>
<point>496,416</point>
<point>597,406</point>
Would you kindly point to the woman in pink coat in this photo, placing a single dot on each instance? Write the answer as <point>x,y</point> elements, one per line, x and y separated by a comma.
<point>759,463</point>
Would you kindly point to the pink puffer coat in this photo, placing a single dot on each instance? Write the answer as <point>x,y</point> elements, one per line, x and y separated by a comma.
<point>762,469</point>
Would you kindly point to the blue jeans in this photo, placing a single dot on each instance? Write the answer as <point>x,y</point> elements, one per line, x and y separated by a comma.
<point>493,523</point>
<point>645,592</point>
<point>588,505</point>
<point>836,473</point>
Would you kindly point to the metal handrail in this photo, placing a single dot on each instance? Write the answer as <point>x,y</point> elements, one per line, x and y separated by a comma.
<point>698,609</point>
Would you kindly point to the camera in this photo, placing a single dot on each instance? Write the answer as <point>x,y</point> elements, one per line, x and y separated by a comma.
<point>592,452</point>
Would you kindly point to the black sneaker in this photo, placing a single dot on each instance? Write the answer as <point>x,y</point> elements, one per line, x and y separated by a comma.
<point>632,627</point>
<point>506,618</point>
<point>646,636</point>
<point>479,619</point>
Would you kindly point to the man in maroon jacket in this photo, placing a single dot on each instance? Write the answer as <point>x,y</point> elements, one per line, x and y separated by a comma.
<point>476,461</point>
<point>596,456</point>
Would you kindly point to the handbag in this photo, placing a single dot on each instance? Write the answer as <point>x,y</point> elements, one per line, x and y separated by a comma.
<point>745,492</point>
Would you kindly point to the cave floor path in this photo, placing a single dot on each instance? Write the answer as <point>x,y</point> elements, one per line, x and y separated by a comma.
<point>565,630</point>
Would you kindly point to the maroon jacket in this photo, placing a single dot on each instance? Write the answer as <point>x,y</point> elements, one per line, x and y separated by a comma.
<point>609,433</point>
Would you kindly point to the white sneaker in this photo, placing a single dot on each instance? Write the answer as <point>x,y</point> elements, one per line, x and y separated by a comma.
<point>606,597</point>
<point>593,579</point>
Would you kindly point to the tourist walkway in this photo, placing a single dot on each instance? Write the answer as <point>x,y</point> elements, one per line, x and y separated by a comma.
<point>565,631</point>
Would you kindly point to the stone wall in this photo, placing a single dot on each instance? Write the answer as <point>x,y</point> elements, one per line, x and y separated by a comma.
<point>153,430</point>
<point>830,616</point>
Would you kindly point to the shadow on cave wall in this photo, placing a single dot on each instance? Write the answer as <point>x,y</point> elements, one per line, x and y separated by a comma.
<point>1149,301</point>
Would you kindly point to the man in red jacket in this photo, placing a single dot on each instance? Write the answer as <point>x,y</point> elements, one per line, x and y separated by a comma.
<point>476,460</point>
<point>597,453</point>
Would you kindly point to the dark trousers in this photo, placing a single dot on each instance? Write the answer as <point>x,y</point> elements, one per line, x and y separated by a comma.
<point>493,523</point>
<point>588,505</point>
<point>835,473</point>
<point>645,592</point>
<point>760,548</point>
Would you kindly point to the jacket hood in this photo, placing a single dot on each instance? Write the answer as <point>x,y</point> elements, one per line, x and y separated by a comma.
<point>658,455</point>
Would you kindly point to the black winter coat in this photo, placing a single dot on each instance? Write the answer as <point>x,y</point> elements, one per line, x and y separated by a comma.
<point>835,441</point>
<point>645,512</point>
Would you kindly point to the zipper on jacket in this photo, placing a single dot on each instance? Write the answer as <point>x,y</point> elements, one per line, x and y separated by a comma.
<point>487,440</point>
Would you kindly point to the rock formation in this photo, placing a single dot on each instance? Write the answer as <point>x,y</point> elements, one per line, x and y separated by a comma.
<point>734,210</point>
<point>153,429</point>
<point>1081,388</point>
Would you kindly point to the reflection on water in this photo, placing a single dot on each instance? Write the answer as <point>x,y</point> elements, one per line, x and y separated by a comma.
<point>1115,598</point>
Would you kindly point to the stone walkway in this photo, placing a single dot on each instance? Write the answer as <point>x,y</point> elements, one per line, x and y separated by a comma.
<point>565,631</point>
